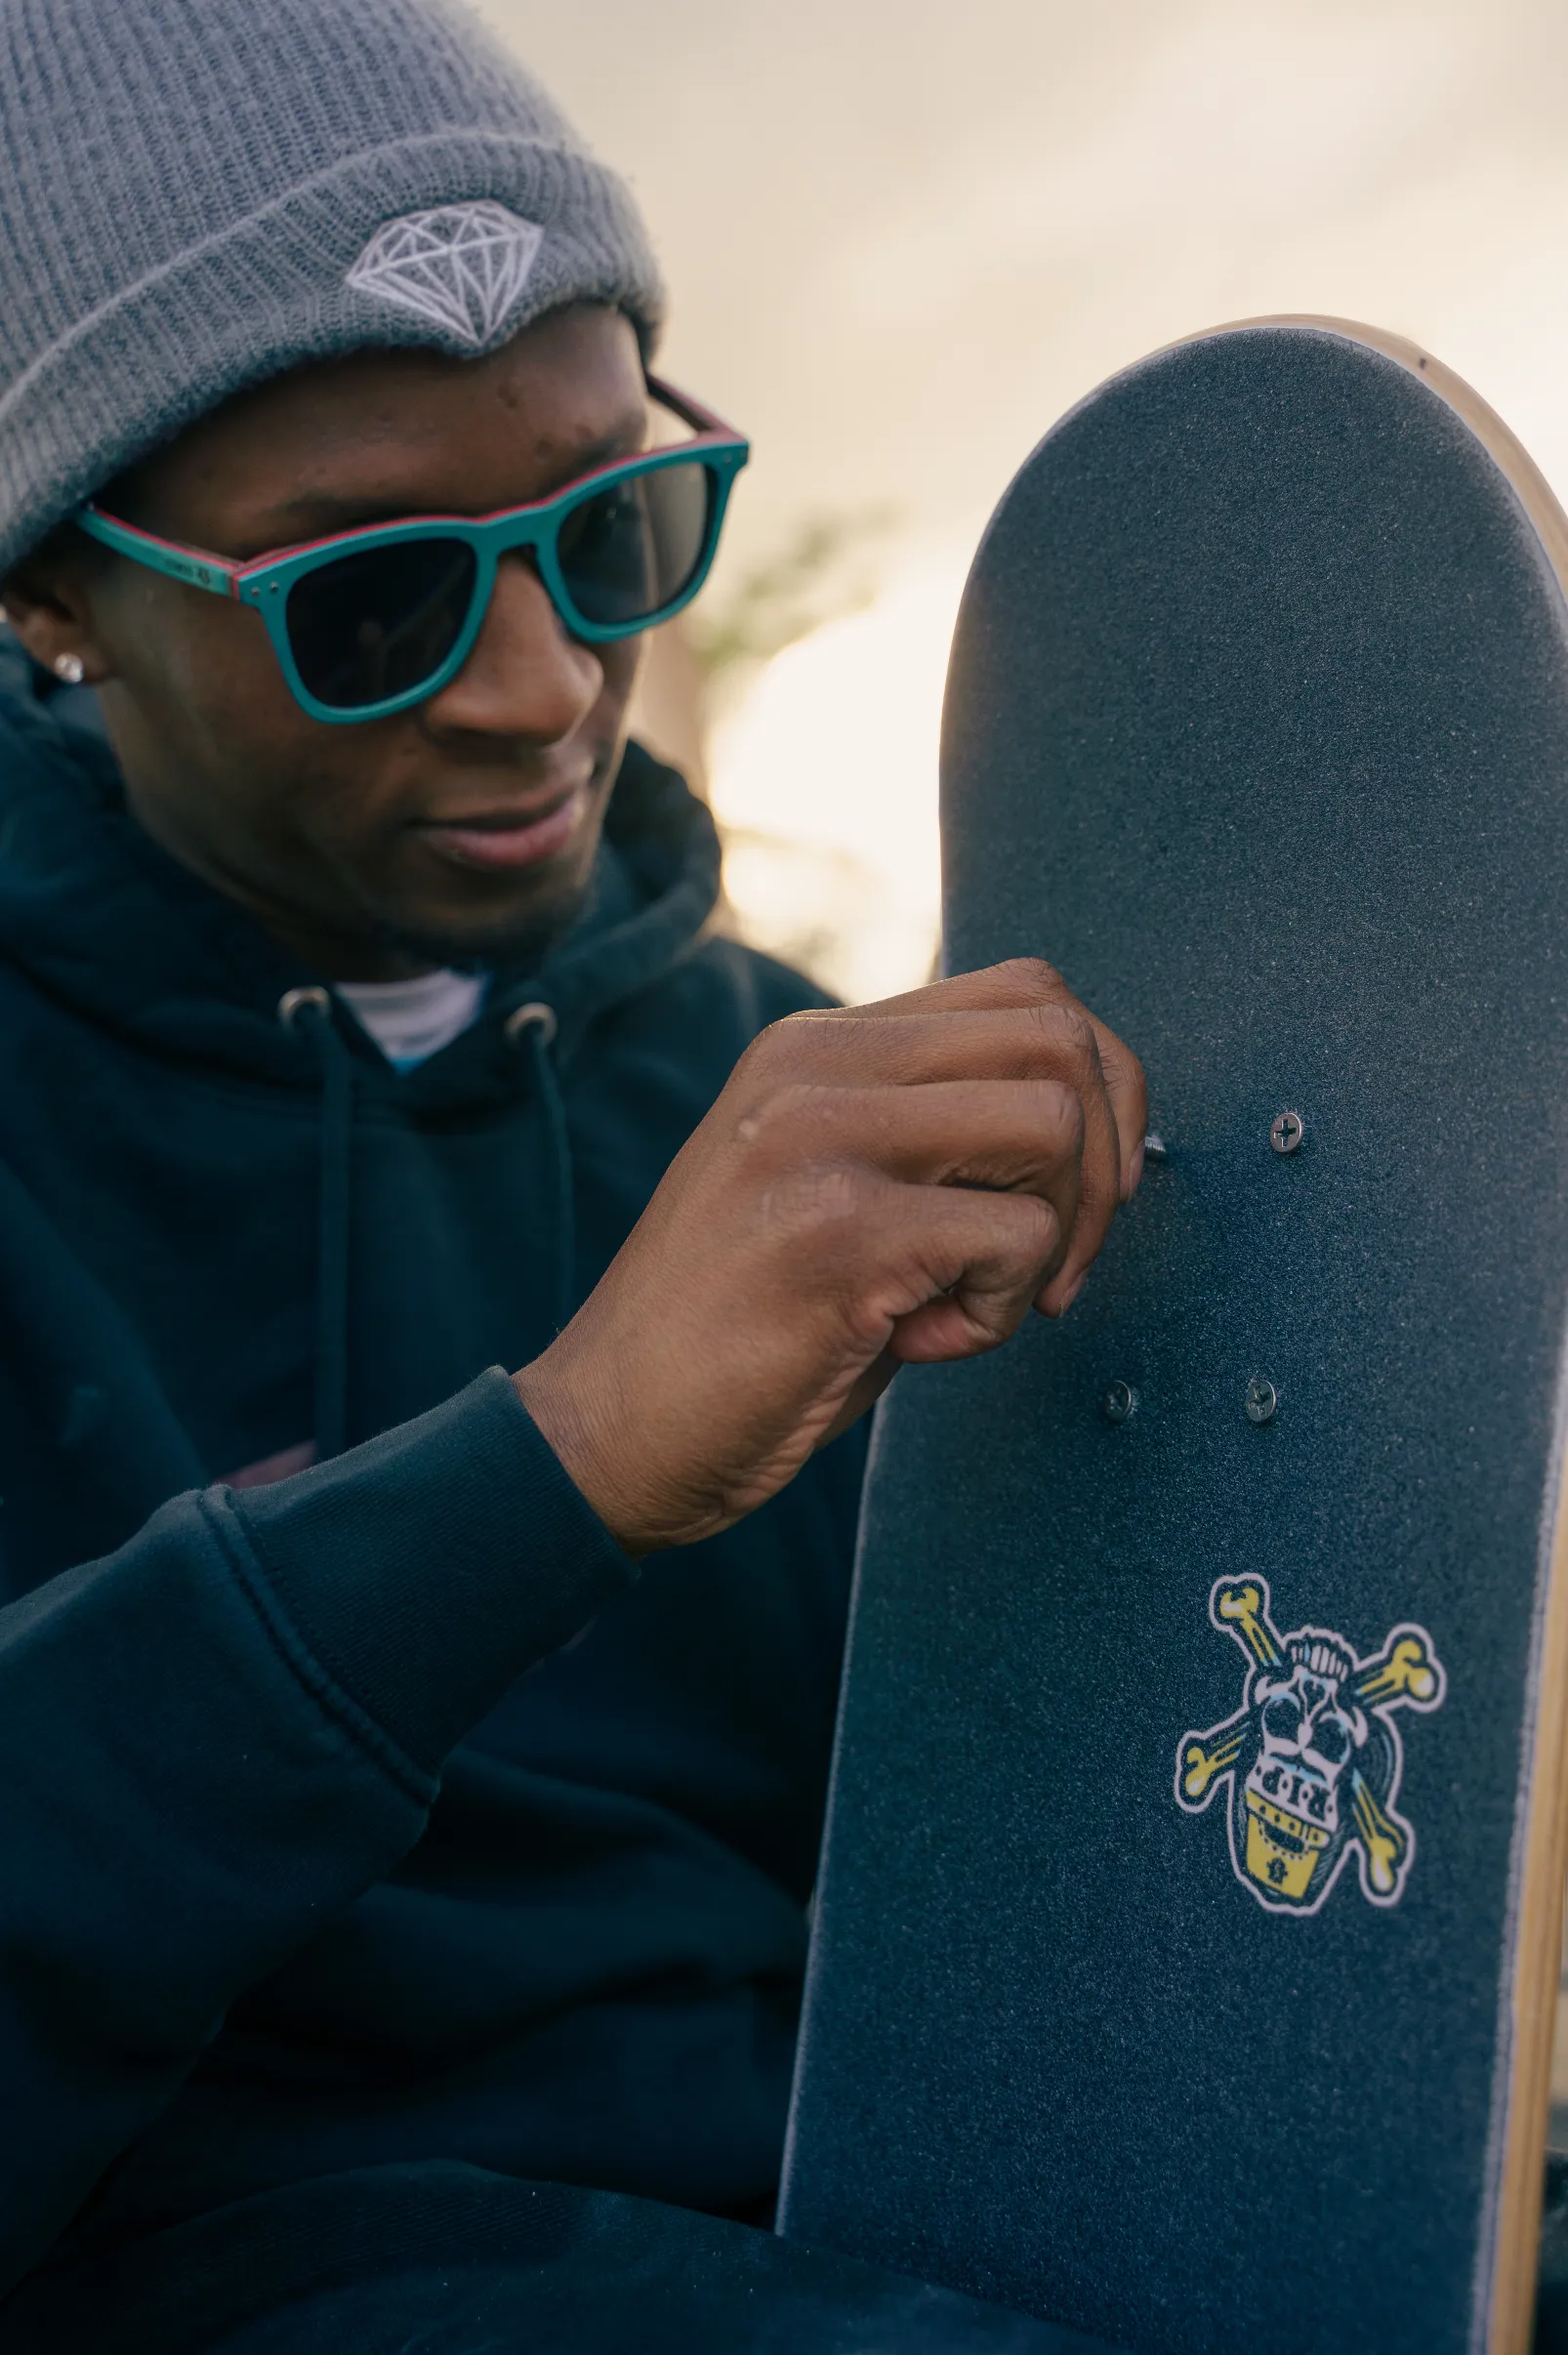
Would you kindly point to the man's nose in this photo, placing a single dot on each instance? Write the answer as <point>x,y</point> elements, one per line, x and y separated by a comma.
<point>525,677</point>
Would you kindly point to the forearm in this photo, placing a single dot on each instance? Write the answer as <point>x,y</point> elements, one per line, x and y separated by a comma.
<point>216,1737</point>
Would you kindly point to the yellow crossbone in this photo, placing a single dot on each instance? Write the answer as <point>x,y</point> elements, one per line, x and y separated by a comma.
<point>1408,1672</point>
<point>1241,1609</point>
<point>1201,1764</point>
<point>1385,1841</point>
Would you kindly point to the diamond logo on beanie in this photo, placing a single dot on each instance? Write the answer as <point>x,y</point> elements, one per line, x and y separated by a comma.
<point>460,266</point>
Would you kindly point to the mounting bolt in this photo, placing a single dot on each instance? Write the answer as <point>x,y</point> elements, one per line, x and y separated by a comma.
<point>1154,1146</point>
<point>1261,1400</point>
<point>1286,1130</point>
<point>1119,1402</point>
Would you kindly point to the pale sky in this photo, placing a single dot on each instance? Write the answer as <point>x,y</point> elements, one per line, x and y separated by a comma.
<point>903,237</point>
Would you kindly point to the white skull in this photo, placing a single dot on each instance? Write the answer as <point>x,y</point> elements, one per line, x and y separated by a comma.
<point>1309,1732</point>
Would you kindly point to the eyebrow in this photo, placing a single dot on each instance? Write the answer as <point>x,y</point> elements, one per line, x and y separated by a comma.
<point>320,513</point>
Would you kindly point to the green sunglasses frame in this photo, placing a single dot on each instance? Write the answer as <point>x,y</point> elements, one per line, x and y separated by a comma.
<point>263,582</point>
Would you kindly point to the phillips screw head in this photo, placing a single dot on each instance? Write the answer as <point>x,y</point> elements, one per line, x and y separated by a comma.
<point>1286,1130</point>
<point>1261,1400</point>
<point>1119,1402</point>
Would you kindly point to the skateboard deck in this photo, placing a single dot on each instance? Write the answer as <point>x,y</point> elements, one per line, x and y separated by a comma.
<point>1188,1927</point>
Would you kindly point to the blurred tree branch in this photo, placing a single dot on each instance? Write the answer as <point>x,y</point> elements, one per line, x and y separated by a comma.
<point>817,576</point>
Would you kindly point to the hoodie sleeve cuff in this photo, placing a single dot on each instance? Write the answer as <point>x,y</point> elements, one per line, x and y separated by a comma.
<point>425,1570</point>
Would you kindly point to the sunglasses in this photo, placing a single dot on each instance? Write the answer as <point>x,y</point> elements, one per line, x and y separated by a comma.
<point>369,622</point>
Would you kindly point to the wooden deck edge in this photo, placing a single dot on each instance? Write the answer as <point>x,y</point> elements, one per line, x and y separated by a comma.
<point>1504,2321</point>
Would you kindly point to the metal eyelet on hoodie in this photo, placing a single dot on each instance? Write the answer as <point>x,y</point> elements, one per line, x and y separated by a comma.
<point>536,1017</point>
<point>313,999</point>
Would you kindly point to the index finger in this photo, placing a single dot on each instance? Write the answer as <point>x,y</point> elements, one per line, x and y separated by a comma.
<point>1032,981</point>
<point>1016,982</point>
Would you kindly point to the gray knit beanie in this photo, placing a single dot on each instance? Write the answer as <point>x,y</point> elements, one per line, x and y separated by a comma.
<point>196,195</point>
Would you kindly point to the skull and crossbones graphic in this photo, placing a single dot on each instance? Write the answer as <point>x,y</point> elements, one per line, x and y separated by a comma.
<point>1312,1758</point>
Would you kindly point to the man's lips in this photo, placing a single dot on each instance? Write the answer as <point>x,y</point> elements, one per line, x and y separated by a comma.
<point>503,837</point>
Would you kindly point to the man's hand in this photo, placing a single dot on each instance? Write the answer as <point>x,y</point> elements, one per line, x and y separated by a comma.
<point>878,1186</point>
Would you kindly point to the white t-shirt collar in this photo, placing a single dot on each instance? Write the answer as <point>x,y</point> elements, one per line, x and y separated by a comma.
<point>412,1020</point>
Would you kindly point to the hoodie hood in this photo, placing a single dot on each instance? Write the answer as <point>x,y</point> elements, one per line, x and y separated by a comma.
<point>104,922</point>
<point>230,1152</point>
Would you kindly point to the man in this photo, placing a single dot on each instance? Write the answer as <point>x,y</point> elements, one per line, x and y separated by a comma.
<point>355,997</point>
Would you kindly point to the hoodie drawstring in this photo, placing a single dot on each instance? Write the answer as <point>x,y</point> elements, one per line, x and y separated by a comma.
<point>313,1006</point>
<point>535,1025</point>
<point>532,1025</point>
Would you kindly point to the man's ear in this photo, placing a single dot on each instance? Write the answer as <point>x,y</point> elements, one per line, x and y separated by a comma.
<point>48,603</point>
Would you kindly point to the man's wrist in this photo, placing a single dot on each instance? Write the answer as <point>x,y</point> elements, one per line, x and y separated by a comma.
<point>574,1427</point>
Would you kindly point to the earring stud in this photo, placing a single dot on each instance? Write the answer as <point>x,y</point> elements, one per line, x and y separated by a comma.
<point>70,668</point>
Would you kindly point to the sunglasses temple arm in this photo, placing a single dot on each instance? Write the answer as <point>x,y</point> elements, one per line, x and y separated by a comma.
<point>193,565</point>
<point>690,412</point>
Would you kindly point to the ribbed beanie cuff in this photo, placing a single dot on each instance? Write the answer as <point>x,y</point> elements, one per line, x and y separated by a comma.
<point>189,190</point>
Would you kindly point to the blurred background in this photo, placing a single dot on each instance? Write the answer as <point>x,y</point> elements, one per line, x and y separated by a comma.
<point>903,237</point>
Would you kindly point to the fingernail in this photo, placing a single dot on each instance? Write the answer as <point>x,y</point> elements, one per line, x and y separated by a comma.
<point>1135,1175</point>
<point>1073,1295</point>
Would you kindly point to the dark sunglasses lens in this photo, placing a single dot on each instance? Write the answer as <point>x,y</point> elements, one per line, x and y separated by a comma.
<point>632,548</point>
<point>380,622</point>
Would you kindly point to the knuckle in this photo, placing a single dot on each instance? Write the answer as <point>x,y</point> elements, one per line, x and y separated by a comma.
<point>775,1045</point>
<point>820,1206</point>
<point>1120,1059</point>
<point>1062,1107</point>
<point>790,1113</point>
<point>818,1040</point>
<point>1025,1237</point>
<point>1013,1228</point>
<point>1030,976</point>
<point>1067,1030</point>
<point>1037,1224</point>
<point>1053,1107</point>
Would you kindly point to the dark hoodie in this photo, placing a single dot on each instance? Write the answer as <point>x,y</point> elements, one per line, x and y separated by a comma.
<point>379,1816</point>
